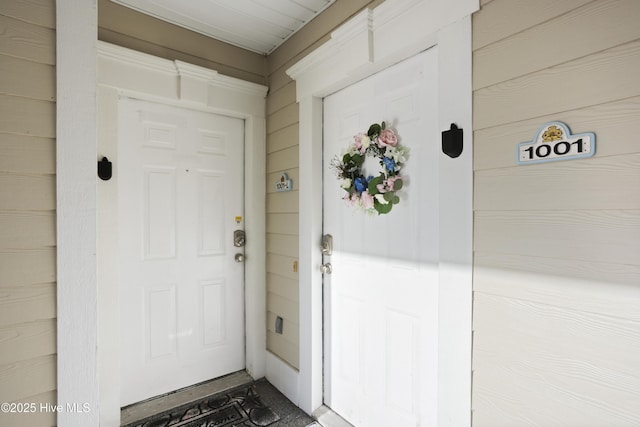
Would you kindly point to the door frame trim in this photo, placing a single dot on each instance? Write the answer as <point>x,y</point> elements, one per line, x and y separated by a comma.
<point>124,72</point>
<point>372,41</point>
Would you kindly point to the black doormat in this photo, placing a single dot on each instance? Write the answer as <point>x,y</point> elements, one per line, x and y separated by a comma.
<point>240,407</point>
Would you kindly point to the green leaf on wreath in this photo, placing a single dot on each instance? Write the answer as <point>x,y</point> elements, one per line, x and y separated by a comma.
<point>357,159</point>
<point>388,196</point>
<point>346,158</point>
<point>373,184</point>
<point>397,185</point>
<point>395,200</point>
<point>383,209</point>
<point>374,130</point>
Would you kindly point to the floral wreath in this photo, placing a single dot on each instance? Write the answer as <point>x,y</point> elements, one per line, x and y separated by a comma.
<point>373,194</point>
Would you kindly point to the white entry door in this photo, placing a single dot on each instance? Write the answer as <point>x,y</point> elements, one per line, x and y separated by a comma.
<point>181,292</point>
<point>381,299</point>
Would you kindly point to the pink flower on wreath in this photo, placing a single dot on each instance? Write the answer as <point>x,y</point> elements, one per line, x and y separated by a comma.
<point>387,184</point>
<point>387,138</point>
<point>349,199</point>
<point>362,142</point>
<point>366,199</point>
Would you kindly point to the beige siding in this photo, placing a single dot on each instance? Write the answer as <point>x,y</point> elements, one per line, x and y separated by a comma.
<point>27,209</point>
<point>282,156</point>
<point>125,27</point>
<point>556,245</point>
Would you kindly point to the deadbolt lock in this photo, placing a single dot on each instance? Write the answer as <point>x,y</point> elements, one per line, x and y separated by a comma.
<point>239,238</point>
<point>327,244</point>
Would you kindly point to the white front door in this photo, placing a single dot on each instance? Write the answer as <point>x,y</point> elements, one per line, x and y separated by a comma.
<point>381,299</point>
<point>180,198</point>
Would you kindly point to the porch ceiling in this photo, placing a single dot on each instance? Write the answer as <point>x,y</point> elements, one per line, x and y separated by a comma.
<point>257,25</point>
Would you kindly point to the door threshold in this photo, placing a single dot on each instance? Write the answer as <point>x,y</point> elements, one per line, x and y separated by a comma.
<point>328,418</point>
<point>155,405</point>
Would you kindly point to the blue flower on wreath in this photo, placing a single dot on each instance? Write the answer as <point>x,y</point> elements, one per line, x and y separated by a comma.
<point>360,184</point>
<point>389,164</point>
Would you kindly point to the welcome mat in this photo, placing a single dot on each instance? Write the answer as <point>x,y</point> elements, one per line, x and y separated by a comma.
<point>240,407</point>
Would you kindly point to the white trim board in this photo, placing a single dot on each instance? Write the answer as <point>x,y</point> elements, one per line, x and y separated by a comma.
<point>371,41</point>
<point>77,321</point>
<point>126,73</point>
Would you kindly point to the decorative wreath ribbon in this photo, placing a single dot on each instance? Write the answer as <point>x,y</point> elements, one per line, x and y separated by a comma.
<point>373,194</point>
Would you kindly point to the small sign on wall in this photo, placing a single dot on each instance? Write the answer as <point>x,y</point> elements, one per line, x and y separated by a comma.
<point>284,183</point>
<point>554,142</point>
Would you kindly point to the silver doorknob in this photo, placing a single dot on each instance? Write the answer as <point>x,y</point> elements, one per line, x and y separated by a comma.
<point>326,268</point>
<point>239,258</point>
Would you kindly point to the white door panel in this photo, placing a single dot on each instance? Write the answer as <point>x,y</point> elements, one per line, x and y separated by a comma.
<point>180,191</point>
<point>381,299</point>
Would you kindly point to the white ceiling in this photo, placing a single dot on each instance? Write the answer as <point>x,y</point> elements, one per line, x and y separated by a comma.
<point>257,25</point>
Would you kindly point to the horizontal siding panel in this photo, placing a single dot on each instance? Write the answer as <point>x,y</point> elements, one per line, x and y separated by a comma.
<point>282,118</point>
<point>40,418</point>
<point>27,304</point>
<point>613,124</point>
<point>283,160</point>
<point>281,265</point>
<point>601,236</point>
<point>27,192</point>
<point>541,365</point>
<point>27,378</point>
<point>279,79</point>
<point>26,230</point>
<point>27,78</point>
<point>27,341</point>
<point>27,116</point>
<point>282,307</point>
<point>39,12</point>
<point>283,224</point>
<point>25,154</point>
<point>283,286</point>
<point>283,244</point>
<point>610,273</point>
<point>502,18</point>
<point>595,183</point>
<point>290,330</point>
<point>272,178</point>
<point>24,267</point>
<point>283,138</point>
<point>28,41</point>
<point>283,202</point>
<point>603,77</point>
<point>595,27</point>
<point>284,349</point>
<point>281,98</point>
<point>556,287</point>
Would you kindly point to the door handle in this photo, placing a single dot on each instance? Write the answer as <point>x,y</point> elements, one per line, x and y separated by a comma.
<point>239,258</point>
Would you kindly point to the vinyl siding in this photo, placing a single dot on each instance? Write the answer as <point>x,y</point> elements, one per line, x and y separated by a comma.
<point>27,209</point>
<point>556,315</point>
<point>283,156</point>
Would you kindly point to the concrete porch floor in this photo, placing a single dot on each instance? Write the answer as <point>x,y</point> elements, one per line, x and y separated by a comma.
<point>290,415</point>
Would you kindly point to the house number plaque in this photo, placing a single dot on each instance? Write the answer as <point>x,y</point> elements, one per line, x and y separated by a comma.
<point>554,142</point>
<point>284,183</point>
